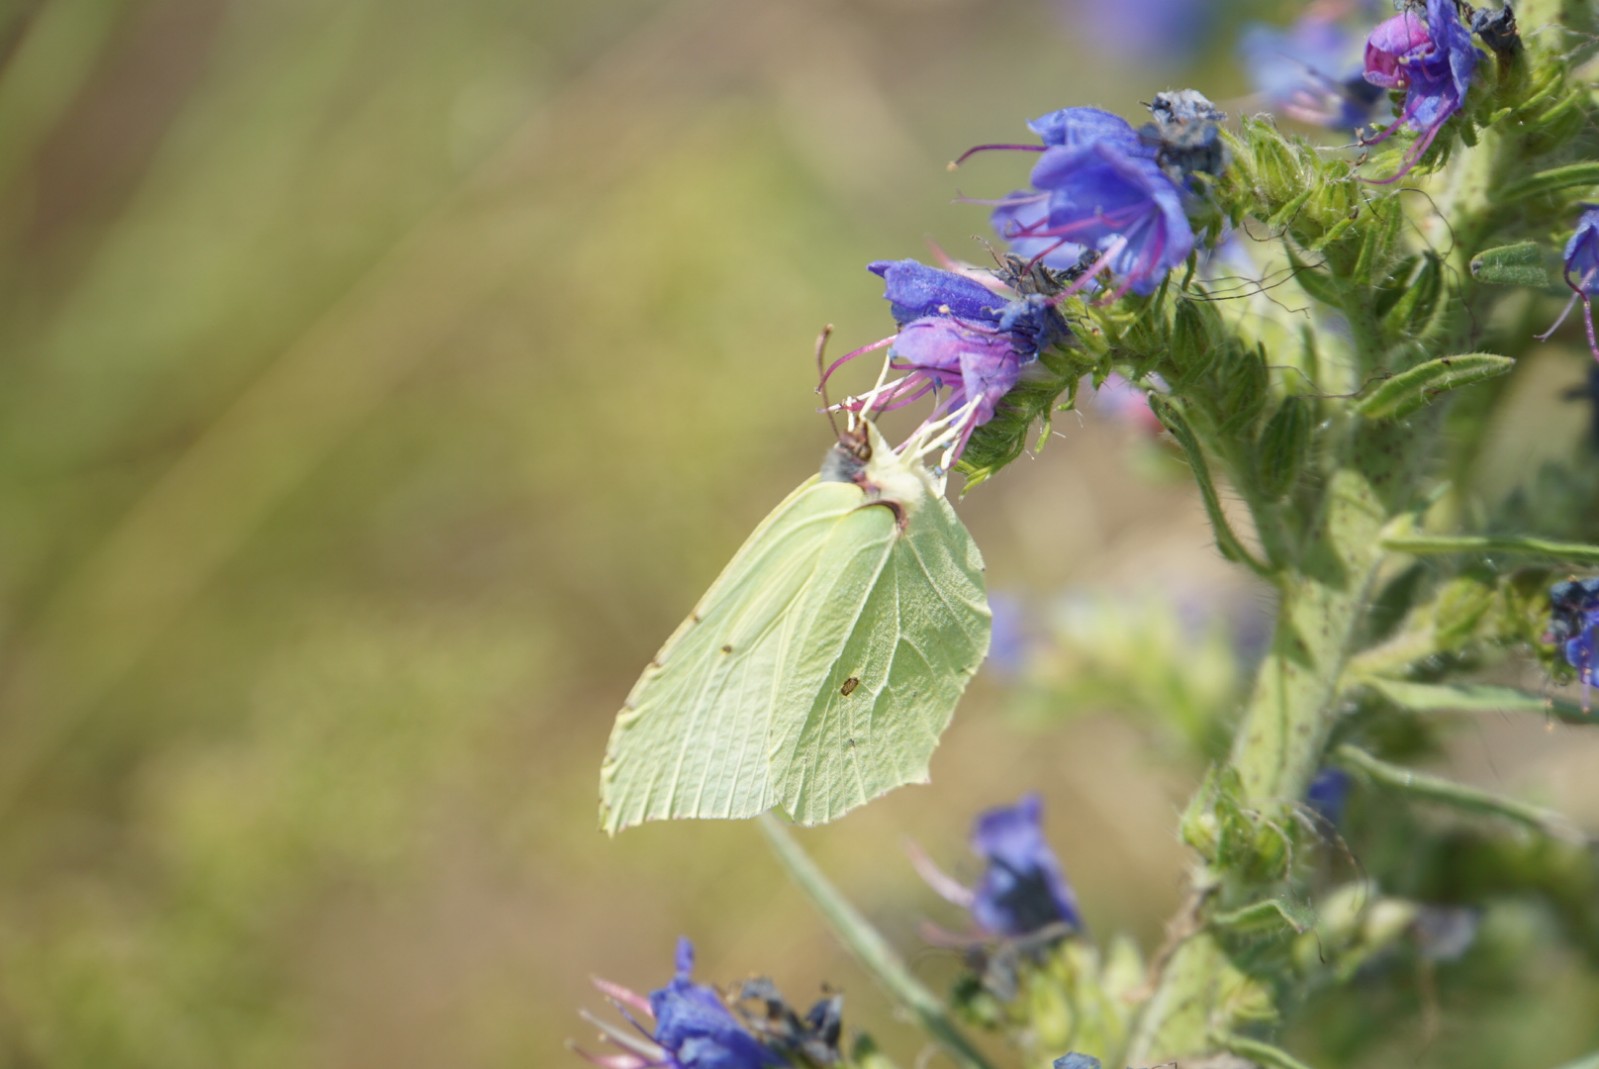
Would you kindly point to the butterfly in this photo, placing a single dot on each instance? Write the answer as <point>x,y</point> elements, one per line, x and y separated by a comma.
<point>823,664</point>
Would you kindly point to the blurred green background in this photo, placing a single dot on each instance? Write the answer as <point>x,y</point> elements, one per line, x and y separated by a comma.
<point>379,384</point>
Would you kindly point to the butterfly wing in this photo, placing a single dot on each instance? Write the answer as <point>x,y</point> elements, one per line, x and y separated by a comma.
<point>691,739</point>
<point>903,615</point>
<point>817,672</point>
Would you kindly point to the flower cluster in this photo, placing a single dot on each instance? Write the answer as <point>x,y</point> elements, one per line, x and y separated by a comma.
<point>1023,893</point>
<point>1582,272</point>
<point>958,340</point>
<point>1106,194</point>
<point>1432,60</point>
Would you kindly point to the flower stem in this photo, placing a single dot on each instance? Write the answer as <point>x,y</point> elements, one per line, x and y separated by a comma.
<point>870,949</point>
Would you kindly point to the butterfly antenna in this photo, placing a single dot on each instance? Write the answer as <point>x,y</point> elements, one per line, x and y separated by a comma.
<point>821,378</point>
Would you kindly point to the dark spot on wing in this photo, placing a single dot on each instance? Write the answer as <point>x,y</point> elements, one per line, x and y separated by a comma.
<point>727,649</point>
<point>849,686</point>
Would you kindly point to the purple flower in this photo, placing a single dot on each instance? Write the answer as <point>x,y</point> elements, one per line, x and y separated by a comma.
<point>1310,72</point>
<point>1144,31</point>
<point>1106,198</point>
<point>1023,889</point>
<point>1011,640</point>
<point>958,340</point>
<point>914,290</point>
<point>1080,127</point>
<point>1128,403</point>
<point>1432,60</point>
<point>1074,1060</point>
<point>1328,793</point>
<point>1103,188</point>
<point>1582,273</point>
<point>694,1029</point>
<point>1574,623</point>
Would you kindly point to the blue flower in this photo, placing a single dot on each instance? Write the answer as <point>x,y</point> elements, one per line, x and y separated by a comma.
<point>1099,187</point>
<point>1433,61</point>
<point>1144,31</point>
<point>1011,640</point>
<point>1582,272</point>
<point>1080,127</point>
<point>1023,889</point>
<point>694,1029</point>
<point>1328,793</point>
<point>1574,623</point>
<point>956,339</point>
<point>1074,1060</point>
<point>1310,72</point>
<point>914,290</point>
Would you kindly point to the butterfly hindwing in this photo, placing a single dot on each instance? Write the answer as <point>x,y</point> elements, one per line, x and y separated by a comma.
<point>910,626</point>
<point>819,669</point>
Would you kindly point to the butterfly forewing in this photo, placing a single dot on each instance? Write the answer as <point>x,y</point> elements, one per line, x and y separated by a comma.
<point>691,738</point>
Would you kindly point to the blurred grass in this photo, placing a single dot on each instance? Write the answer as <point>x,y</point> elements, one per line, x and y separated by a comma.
<point>381,382</point>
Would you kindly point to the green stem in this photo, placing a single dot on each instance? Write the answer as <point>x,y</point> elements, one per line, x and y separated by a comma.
<point>869,947</point>
<point>1280,743</point>
<point>1284,733</point>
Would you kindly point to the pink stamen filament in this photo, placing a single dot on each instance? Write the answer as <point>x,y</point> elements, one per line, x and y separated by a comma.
<point>1587,318</point>
<point>613,1061</point>
<point>621,995</point>
<point>853,353</point>
<point>946,887</point>
<point>1576,295</point>
<point>975,149</point>
<point>1414,153</point>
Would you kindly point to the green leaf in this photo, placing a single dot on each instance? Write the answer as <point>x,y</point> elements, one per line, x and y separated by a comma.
<point>1418,296</point>
<point>1457,795</point>
<point>1283,445</point>
<point>1318,284</point>
<point>1261,1053</point>
<point>1476,698</point>
<point>1523,264</point>
<point>1424,545</point>
<point>1410,390</point>
<point>1269,916</point>
<point>822,666</point>
<point>1571,176</point>
<point>1167,411</point>
<point>869,947</point>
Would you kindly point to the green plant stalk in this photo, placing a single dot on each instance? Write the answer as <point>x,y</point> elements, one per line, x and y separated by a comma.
<point>870,948</point>
<point>1279,744</point>
<point>1195,1008</point>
